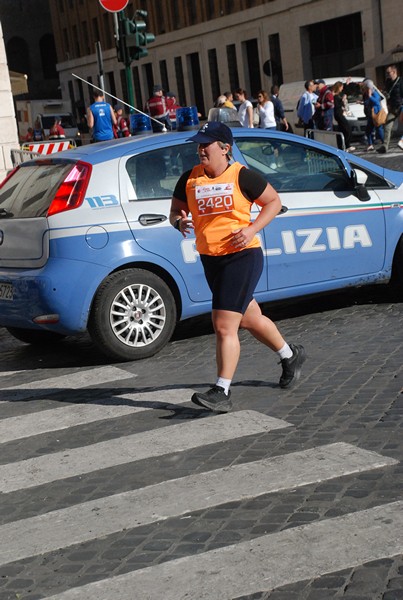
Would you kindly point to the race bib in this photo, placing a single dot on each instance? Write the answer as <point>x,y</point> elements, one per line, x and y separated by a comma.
<point>214,199</point>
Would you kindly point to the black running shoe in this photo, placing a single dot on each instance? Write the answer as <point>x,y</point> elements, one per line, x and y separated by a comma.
<point>292,366</point>
<point>215,399</point>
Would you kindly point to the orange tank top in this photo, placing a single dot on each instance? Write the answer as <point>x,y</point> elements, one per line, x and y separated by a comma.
<point>218,208</point>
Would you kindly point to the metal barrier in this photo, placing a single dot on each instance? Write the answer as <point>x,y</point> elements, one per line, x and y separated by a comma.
<point>332,138</point>
<point>20,156</point>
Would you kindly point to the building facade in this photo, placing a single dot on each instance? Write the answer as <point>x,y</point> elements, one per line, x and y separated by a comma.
<point>205,47</point>
<point>30,46</point>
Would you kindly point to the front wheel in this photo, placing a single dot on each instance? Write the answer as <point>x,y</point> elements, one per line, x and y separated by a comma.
<point>133,315</point>
<point>396,282</point>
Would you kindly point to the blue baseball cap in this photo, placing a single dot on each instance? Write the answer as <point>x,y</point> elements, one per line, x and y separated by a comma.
<point>213,131</point>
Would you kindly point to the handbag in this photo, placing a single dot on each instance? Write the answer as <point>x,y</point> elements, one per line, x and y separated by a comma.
<point>379,118</point>
<point>256,117</point>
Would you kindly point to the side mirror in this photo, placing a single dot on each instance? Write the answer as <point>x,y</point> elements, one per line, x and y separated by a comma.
<point>359,179</point>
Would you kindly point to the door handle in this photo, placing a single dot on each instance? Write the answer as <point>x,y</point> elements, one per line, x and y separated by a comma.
<point>151,219</point>
<point>283,210</point>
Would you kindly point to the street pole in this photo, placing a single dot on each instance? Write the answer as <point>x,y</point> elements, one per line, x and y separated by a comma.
<point>129,82</point>
<point>100,65</point>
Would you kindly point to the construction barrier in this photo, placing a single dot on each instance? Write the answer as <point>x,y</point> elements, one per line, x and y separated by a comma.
<point>20,156</point>
<point>49,146</point>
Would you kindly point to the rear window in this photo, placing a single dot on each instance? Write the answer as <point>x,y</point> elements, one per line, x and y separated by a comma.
<point>67,121</point>
<point>29,192</point>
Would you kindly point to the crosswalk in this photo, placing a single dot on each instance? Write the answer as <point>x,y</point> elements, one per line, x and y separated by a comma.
<point>237,569</point>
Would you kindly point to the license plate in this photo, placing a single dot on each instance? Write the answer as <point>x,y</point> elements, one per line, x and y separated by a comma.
<point>6,291</point>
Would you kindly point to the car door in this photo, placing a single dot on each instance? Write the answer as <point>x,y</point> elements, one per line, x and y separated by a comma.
<point>327,233</point>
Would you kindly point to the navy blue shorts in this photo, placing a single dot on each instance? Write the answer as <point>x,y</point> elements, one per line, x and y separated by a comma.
<point>232,278</point>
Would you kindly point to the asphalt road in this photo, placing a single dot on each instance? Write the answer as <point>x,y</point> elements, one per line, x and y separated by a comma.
<point>113,485</point>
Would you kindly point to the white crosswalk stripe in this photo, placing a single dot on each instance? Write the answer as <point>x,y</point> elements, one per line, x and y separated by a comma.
<point>76,381</point>
<point>45,421</point>
<point>176,497</point>
<point>262,564</point>
<point>175,438</point>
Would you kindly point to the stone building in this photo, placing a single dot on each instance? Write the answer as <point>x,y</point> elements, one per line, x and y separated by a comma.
<point>205,47</point>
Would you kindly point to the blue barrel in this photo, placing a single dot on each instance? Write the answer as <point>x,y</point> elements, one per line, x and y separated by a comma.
<point>140,124</point>
<point>186,118</point>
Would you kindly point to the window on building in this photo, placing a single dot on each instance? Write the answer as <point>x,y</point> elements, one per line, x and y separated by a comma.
<point>149,77</point>
<point>335,45</point>
<point>66,44</point>
<point>137,87</point>
<point>95,29</point>
<point>251,56</point>
<point>86,37</point>
<point>76,43</point>
<point>275,59</point>
<point>48,56</point>
<point>191,12</point>
<point>18,55</point>
<point>164,75</point>
<point>108,28</point>
<point>232,67</point>
<point>111,85</point>
<point>176,16</point>
<point>214,76</point>
<point>180,81</point>
<point>196,81</point>
<point>210,9</point>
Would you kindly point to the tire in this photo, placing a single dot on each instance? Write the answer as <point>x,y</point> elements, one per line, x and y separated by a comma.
<point>396,282</point>
<point>133,315</point>
<point>35,337</point>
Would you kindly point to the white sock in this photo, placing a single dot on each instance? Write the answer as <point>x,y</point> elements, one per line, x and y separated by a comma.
<point>224,383</point>
<point>285,352</point>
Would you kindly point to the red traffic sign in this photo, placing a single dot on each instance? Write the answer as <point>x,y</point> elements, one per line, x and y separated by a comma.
<point>114,5</point>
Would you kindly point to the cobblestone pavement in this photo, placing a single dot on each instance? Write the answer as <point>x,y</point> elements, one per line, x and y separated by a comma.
<point>337,436</point>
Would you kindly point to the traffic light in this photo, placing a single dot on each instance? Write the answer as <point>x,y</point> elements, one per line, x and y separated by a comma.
<point>133,38</point>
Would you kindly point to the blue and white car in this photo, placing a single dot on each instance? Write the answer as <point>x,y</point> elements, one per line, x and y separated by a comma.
<point>86,244</point>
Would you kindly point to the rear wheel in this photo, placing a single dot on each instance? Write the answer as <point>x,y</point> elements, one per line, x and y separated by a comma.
<point>35,337</point>
<point>133,315</point>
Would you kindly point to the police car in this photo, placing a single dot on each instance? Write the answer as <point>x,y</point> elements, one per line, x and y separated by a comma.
<point>86,243</point>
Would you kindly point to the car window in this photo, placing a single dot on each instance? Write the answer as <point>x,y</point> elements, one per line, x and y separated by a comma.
<point>374,181</point>
<point>154,174</point>
<point>294,167</point>
<point>29,192</point>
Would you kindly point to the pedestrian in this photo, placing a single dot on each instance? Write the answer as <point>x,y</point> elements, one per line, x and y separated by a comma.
<point>245,110</point>
<point>324,107</point>
<point>231,254</point>
<point>339,115</point>
<point>372,105</point>
<point>156,107</point>
<point>172,106</point>
<point>101,118</point>
<point>400,142</point>
<point>279,114</point>
<point>306,105</point>
<point>229,100</point>
<point>121,128</point>
<point>57,132</point>
<point>39,134</point>
<point>29,136</point>
<point>394,98</point>
<point>265,109</point>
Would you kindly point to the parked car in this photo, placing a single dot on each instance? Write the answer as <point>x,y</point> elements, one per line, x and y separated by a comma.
<point>86,244</point>
<point>290,93</point>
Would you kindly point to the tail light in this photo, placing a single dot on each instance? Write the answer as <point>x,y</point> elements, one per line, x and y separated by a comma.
<point>71,192</point>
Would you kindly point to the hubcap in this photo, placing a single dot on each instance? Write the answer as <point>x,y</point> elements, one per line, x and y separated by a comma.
<point>137,315</point>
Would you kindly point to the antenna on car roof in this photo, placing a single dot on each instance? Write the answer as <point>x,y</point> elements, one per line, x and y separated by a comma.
<point>164,129</point>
